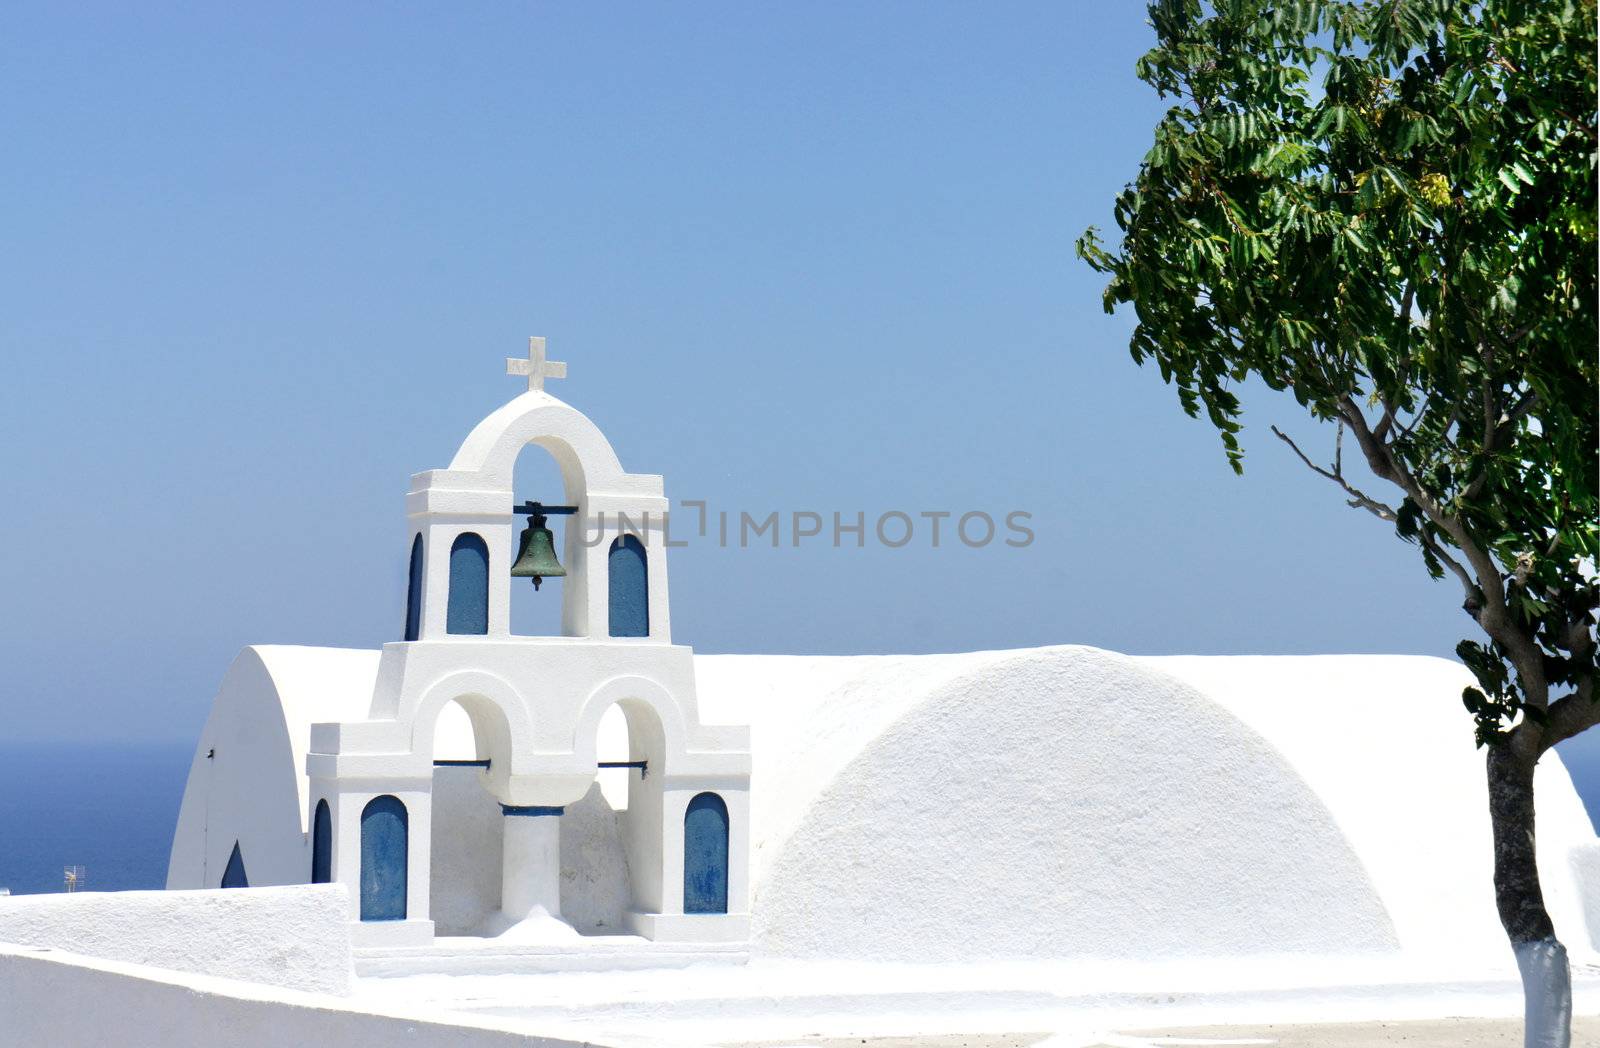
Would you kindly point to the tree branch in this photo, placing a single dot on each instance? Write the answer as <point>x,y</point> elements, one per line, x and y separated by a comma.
<point>1490,403</point>
<point>1493,614</point>
<point>1358,498</point>
<point>1456,567</point>
<point>1570,715</point>
<point>1381,431</point>
<point>1417,414</point>
<point>1361,500</point>
<point>1526,403</point>
<point>1502,429</point>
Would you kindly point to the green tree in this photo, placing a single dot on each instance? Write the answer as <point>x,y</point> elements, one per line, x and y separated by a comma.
<point>1388,209</point>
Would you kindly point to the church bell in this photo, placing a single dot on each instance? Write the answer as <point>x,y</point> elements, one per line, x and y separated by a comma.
<point>538,557</point>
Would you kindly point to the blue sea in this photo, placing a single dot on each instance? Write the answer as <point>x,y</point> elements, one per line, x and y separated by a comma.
<point>112,808</point>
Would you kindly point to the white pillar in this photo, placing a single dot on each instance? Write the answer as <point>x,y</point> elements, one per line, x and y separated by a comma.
<point>530,886</point>
<point>531,870</point>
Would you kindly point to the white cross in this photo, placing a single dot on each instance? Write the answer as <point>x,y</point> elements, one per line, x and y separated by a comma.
<point>536,367</point>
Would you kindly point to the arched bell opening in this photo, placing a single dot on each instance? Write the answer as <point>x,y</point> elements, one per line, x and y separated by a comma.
<point>543,559</point>
<point>614,755</point>
<point>611,839</point>
<point>466,838</point>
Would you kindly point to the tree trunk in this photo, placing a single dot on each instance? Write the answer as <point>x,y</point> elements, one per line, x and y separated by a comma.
<point>1542,960</point>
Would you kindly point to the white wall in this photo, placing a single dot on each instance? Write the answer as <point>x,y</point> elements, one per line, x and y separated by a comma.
<point>68,1001</point>
<point>594,866</point>
<point>295,937</point>
<point>1386,745</point>
<point>464,890</point>
<point>247,780</point>
<point>1586,875</point>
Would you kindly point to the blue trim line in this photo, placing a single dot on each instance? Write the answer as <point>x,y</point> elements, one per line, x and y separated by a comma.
<point>534,809</point>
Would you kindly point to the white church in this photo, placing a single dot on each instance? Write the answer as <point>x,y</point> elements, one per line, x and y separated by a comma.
<point>1033,808</point>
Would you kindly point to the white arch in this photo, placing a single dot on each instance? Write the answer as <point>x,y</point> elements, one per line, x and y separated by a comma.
<point>587,461</point>
<point>632,692</point>
<point>501,720</point>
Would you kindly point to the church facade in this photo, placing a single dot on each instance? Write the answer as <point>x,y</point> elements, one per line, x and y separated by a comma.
<point>374,804</point>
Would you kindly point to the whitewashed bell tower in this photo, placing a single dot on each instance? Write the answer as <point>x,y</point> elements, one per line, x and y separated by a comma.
<point>535,703</point>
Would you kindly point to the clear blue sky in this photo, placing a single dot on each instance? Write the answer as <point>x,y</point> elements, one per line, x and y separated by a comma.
<point>263,263</point>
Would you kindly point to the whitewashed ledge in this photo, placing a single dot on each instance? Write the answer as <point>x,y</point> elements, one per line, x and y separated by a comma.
<point>294,936</point>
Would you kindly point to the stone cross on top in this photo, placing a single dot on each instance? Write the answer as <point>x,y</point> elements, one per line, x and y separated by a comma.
<point>536,367</point>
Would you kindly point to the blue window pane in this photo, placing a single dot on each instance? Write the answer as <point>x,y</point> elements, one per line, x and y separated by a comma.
<point>321,845</point>
<point>630,588</point>
<point>468,610</point>
<point>383,860</point>
<point>705,855</point>
<point>414,592</point>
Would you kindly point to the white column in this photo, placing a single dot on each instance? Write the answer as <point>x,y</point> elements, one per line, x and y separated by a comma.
<point>531,870</point>
<point>530,887</point>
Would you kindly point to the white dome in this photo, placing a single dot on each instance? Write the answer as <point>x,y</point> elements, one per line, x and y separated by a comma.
<point>1070,802</point>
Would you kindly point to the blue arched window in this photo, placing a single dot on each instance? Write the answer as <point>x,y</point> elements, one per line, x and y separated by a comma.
<point>414,592</point>
<point>468,610</point>
<point>234,875</point>
<point>705,855</point>
<point>630,588</point>
<point>383,860</point>
<point>321,845</point>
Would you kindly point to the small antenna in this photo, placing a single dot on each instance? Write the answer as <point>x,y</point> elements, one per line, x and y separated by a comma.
<point>75,877</point>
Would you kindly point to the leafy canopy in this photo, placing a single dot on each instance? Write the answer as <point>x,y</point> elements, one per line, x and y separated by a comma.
<point>1388,209</point>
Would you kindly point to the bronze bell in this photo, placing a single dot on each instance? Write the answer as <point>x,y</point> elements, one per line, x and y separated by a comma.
<point>538,557</point>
